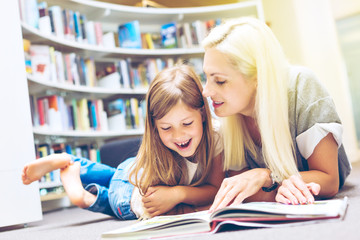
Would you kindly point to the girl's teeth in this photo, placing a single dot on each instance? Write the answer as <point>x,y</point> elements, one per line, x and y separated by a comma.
<point>183,143</point>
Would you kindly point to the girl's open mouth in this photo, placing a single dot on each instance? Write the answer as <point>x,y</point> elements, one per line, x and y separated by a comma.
<point>183,145</point>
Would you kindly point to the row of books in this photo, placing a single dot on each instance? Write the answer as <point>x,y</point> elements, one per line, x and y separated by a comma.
<point>170,35</point>
<point>45,63</point>
<point>56,113</point>
<point>127,74</point>
<point>63,23</point>
<point>89,151</point>
<point>186,35</point>
<point>74,26</point>
<point>126,114</point>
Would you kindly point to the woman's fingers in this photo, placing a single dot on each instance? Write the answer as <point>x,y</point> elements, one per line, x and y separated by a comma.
<point>314,188</point>
<point>296,191</point>
<point>219,197</point>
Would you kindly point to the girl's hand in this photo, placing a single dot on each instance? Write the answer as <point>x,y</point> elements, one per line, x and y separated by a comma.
<point>235,189</point>
<point>295,191</point>
<point>160,199</point>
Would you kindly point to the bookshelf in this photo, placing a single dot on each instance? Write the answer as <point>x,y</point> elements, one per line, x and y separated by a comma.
<point>110,16</point>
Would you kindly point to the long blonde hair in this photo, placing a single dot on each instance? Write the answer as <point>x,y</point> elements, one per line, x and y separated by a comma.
<point>155,163</point>
<point>251,47</point>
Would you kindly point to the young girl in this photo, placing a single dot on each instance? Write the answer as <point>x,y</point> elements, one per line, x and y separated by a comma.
<point>280,125</point>
<point>179,160</point>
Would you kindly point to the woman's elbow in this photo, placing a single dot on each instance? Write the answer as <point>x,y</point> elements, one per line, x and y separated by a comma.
<point>332,189</point>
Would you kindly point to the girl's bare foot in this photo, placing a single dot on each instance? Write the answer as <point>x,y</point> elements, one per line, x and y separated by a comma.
<point>70,177</point>
<point>38,168</point>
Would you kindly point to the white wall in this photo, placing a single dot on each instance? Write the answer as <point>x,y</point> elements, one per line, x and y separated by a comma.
<point>18,203</point>
<point>306,29</point>
<point>345,8</point>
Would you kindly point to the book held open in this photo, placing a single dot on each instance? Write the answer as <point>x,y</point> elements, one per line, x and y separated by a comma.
<point>247,215</point>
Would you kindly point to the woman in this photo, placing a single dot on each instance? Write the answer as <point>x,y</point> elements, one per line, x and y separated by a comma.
<point>282,135</point>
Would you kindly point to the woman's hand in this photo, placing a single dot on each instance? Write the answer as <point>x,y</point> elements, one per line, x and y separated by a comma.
<point>235,189</point>
<point>160,199</point>
<point>295,191</point>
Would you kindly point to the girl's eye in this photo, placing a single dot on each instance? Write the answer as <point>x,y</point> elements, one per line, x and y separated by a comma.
<point>165,129</point>
<point>188,124</point>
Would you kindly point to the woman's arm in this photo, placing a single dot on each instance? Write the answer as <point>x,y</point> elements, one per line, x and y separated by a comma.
<point>161,199</point>
<point>322,178</point>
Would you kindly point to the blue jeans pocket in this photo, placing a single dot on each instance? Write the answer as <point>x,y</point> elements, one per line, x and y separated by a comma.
<point>120,191</point>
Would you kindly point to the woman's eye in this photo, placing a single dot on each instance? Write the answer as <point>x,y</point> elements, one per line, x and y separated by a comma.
<point>188,124</point>
<point>220,82</point>
<point>165,129</point>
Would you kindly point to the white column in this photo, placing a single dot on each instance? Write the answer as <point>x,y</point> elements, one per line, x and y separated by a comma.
<point>306,29</point>
<point>18,203</point>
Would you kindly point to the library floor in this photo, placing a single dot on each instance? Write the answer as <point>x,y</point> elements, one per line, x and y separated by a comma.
<point>75,223</point>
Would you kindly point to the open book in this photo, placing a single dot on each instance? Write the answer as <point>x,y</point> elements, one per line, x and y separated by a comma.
<point>246,215</point>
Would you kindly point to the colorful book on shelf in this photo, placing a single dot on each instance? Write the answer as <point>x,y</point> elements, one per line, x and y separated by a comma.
<point>84,119</point>
<point>75,114</point>
<point>130,35</point>
<point>243,216</point>
<point>98,33</point>
<point>57,21</point>
<point>90,72</point>
<point>29,12</point>
<point>168,35</point>
<point>82,21</point>
<point>40,61</point>
<point>77,27</point>
<point>90,31</point>
<point>116,113</point>
<point>109,40</point>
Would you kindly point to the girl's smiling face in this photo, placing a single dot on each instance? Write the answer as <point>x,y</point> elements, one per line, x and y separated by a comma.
<point>229,91</point>
<point>181,129</point>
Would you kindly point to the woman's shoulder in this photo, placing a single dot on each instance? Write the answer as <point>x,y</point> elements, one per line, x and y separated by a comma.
<point>300,76</point>
<point>305,84</point>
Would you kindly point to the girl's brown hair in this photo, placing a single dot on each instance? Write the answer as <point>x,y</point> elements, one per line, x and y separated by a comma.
<point>155,163</point>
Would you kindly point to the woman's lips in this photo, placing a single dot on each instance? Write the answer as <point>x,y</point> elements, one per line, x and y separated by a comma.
<point>217,104</point>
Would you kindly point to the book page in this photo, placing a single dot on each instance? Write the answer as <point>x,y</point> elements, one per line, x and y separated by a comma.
<point>334,207</point>
<point>185,222</point>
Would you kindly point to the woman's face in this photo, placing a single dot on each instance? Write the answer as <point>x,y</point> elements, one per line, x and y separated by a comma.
<point>181,129</point>
<point>229,91</point>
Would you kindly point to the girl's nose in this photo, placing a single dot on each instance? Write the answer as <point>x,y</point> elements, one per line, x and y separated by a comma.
<point>178,134</point>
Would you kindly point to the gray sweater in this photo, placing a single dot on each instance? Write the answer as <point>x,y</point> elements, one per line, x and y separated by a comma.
<point>311,112</point>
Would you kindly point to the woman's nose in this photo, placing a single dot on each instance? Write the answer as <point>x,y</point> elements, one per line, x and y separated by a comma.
<point>206,90</point>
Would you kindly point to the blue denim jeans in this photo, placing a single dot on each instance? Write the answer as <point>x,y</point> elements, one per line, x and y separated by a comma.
<point>110,186</point>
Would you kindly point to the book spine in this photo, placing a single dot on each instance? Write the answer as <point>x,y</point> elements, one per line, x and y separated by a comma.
<point>98,33</point>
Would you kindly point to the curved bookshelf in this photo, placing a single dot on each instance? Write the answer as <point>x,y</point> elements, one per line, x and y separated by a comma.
<point>88,50</point>
<point>109,12</point>
<point>111,16</point>
<point>37,86</point>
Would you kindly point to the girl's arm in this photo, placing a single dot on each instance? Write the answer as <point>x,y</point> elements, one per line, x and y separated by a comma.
<point>323,170</point>
<point>161,199</point>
